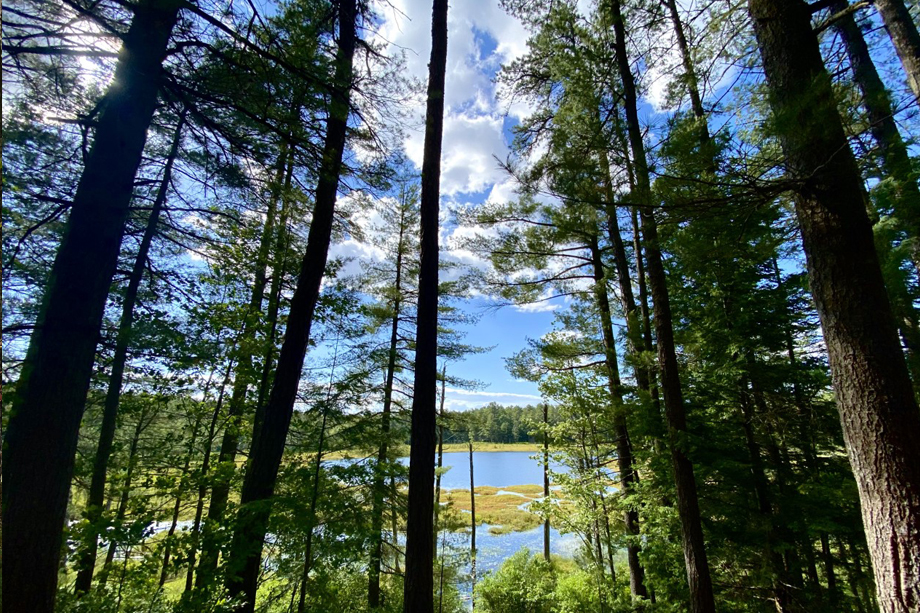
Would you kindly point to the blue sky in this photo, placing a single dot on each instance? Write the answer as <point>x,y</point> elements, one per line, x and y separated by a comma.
<point>477,130</point>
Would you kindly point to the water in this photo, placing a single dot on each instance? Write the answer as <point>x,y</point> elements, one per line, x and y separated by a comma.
<point>493,549</point>
<point>495,468</point>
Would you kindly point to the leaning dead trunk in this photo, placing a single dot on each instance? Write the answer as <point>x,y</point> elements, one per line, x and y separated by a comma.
<point>875,399</point>
<point>268,441</point>
<point>41,436</point>
<point>418,587</point>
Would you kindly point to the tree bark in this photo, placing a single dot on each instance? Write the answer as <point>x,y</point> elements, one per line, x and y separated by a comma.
<point>895,159</point>
<point>624,452</point>
<point>268,441</point>
<point>86,562</point>
<point>875,399</point>
<point>905,38</point>
<point>418,586</point>
<point>697,566</point>
<point>41,436</point>
<point>546,478</point>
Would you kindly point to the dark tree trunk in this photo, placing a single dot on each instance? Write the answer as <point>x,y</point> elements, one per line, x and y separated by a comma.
<point>41,436</point>
<point>698,576</point>
<point>373,570</point>
<point>279,269</point>
<point>830,574</point>
<point>693,87</point>
<point>203,480</point>
<point>905,38</point>
<point>546,479</point>
<point>418,587</point>
<point>311,512</point>
<point>440,462</point>
<point>86,561</point>
<point>268,442</point>
<point>875,399</point>
<point>774,559</point>
<point>472,519</point>
<point>624,279</point>
<point>883,127</point>
<point>177,507</point>
<point>624,452</point>
<point>125,495</point>
<point>246,346</point>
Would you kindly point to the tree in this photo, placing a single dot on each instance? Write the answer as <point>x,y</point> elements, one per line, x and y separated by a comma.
<point>875,398</point>
<point>418,589</point>
<point>268,441</point>
<point>42,434</point>
<point>95,500</point>
<point>698,575</point>
<point>906,39</point>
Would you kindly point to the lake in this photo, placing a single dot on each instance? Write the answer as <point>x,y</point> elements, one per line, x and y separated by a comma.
<point>495,468</point>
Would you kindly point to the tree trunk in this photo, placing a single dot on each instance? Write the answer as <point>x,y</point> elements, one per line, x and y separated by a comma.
<point>472,519</point>
<point>883,128</point>
<point>624,452</point>
<point>203,480</point>
<point>124,496</point>
<point>698,577</point>
<point>419,580</point>
<point>875,399</point>
<point>246,346</point>
<point>631,311</point>
<point>373,571</point>
<point>41,435</point>
<point>905,38</point>
<point>546,478</point>
<point>268,441</point>
<point>279,269</point>
<point>86,561</point>
<point>311,512</point>
<point>440,460</point>
<point>177,507</point>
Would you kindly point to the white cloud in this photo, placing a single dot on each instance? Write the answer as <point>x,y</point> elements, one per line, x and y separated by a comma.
<point>462,400</point>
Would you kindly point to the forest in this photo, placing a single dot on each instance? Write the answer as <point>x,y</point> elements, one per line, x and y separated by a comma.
<point>250,253</point>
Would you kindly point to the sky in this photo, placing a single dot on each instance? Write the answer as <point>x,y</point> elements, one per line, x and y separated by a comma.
<point>477,133</point>
<point>481,37</point>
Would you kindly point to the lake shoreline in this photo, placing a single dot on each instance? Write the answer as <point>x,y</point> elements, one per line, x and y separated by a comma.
<point>478,447</point>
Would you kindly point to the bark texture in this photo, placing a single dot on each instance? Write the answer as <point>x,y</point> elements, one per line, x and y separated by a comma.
<point>41,438</point>
<point>905,38</point>
<point>875,399</point>
<point>418,587</point>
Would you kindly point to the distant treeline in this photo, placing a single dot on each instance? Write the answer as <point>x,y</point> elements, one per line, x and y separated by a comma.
<point>495,423</point>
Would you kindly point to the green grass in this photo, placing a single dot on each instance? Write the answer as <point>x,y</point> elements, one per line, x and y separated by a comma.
<point>531,447</point>
<point>500,510</point>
